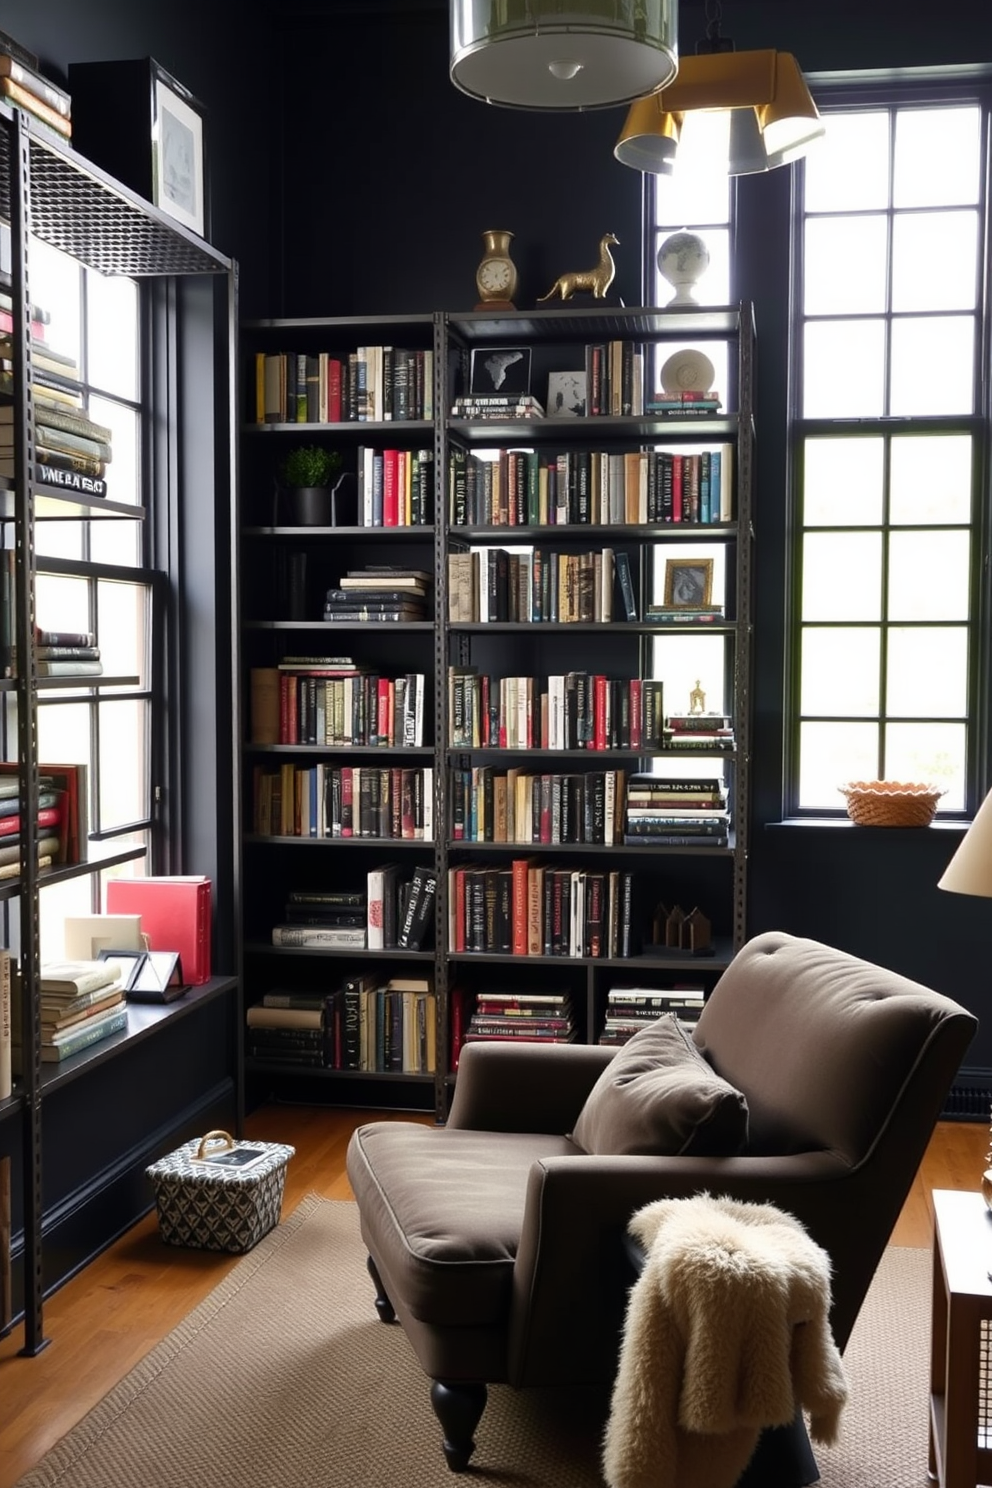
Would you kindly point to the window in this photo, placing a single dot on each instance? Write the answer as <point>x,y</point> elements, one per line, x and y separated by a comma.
<point>889,451</point>
<point>92,577</point>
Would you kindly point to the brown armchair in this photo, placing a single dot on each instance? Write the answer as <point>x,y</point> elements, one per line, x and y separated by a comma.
<point>498,1241</point>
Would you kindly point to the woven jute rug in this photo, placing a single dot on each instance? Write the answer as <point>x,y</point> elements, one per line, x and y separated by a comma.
<point>284,1378</point>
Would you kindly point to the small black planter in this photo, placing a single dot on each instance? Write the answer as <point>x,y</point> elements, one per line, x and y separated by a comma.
<point>312,506</point>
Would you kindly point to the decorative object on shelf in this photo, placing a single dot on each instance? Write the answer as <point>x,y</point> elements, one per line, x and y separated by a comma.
<point>539,54</point>
<point>596,280</point>
<point>890,803</point>
<point>307,473</point>
<point>683,259</point>
<point>674,930</point>
<point>502,371</point>
<point>687,371</point>
<point>772,119</point>
<point>566,394</point>
<point>697,699</point>
<point>496,276</point>
<point>143,126</point>
<point>688,582</point>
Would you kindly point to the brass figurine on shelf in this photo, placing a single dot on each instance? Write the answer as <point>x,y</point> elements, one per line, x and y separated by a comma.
<point>597,280</point>
<point>697,699</point>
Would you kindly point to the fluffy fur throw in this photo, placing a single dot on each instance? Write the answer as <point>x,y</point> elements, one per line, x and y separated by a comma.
<point>727,1332</point>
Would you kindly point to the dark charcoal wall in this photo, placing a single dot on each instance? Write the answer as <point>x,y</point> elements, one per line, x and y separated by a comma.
<point>351,177</point>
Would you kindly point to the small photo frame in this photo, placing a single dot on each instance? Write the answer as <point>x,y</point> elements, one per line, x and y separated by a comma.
<point>500,371</point>
<point>129,962</point>
<point>177,152</point>
<point>689,583</point>
<point>150,976</point>
<point>566,395</point>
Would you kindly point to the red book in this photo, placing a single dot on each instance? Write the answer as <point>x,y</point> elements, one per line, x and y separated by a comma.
<point>384,711</point>
<point>333,391</point>
<point>635,713</point>
<point>599,712</point>
<point>175,916</point>
<point>390,488</point>
<point>520,868</point>
<point>677,466</point>
<point>48,816</point>
<point>347,801</point>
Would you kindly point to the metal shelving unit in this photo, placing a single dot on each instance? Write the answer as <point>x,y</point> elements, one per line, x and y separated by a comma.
<point>49,192</point>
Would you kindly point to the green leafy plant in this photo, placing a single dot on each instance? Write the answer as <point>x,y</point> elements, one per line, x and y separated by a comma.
<point>310,465</point>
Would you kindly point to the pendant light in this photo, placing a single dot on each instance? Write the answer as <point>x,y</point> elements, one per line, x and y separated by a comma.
<point>772,117</point>
<point>562,54</point>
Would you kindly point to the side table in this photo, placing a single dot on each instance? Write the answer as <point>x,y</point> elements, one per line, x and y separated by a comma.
<point>961,1341</point>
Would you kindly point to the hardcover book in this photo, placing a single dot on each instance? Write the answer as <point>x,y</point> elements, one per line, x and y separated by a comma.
<point>175,916</point>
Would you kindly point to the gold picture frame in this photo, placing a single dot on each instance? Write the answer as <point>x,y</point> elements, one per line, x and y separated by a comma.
<point>688,583</point>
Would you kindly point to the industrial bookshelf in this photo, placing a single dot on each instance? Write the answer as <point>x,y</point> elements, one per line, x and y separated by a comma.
<point>710,878</point>
<point>64,1119</point>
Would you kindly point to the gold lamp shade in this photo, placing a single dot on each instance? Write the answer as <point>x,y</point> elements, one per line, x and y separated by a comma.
<point>773,119</point>
<point>562,54</point>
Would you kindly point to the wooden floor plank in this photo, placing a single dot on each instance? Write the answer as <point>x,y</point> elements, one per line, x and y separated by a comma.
<point>107,1318</point>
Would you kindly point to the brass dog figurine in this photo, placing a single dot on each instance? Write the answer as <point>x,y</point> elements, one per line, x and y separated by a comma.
<point>598,280</point>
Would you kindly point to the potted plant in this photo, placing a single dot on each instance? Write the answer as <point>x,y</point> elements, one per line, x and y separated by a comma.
<point>309,473</point>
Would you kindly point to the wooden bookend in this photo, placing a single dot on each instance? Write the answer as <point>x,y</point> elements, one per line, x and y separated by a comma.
<point>697,933</point>
<point>673,928</point>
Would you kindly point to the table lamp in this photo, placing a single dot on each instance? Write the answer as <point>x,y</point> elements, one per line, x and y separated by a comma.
<point>970,872</point>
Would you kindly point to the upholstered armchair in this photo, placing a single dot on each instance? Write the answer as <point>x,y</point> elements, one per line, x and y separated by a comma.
<point>813,1082</point>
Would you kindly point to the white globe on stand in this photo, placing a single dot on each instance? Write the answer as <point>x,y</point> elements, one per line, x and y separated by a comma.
<point>683,259</point>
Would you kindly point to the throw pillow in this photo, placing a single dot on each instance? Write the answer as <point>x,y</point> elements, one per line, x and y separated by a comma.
<point>659,1097</point>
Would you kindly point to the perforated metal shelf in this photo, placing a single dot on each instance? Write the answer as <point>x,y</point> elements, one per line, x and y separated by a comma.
<point>79,209</point>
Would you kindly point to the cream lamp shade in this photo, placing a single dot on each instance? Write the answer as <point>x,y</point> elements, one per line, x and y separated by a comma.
<point>970,869</point>
<point>773,119</point>
<point>562,54</point>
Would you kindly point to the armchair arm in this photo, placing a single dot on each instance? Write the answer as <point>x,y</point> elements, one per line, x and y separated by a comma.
<point>572,1274</point>
<point>524,1087</point>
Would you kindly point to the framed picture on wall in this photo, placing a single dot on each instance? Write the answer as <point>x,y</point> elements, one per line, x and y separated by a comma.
<point>177,153</point>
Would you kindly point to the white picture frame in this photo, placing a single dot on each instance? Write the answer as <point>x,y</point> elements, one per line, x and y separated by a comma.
<point>178,185</point>
<point>567,395</point>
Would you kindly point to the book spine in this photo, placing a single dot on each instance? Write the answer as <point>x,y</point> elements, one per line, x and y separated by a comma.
<point>83,1038</point>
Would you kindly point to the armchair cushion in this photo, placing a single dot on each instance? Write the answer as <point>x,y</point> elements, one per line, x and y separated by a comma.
<point>658,1097</point>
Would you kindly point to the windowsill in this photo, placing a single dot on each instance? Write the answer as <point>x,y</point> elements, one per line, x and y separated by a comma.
<point>845,824</point>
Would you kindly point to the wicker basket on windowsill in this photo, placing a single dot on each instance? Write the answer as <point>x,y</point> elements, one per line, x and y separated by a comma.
<point>890,803</point>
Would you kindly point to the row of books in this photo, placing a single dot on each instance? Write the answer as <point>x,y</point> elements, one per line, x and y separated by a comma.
<point>394,909</point>
<point>573,710</point>
<point>533,587</point>
<point>526,908</point>
<point>344,801</point>
<point>23,84</point>
<point>61,822</point>
<point>372,384</point>
<point>325,701</point>
<point>366,1023</point>
<point>515,806</point>
<point>395,487</point>
<point>527,488</point>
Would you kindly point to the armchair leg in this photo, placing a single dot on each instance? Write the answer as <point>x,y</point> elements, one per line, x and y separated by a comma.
<point>383,1306</point>
<point>459,1409</point>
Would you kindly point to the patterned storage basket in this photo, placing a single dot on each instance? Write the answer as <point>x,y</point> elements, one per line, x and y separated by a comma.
<point>208,1206</point>
<point>890,803</point>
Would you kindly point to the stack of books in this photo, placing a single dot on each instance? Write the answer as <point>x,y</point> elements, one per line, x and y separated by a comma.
<point>82,1003</point>
<point>291,1027</point>
<point>51,824</point>
<point>702,731</point>
<point>629,1009</point>
<point>23,84</point>
<point>384,592</point>
<point>683,405</point>
<point>529,1017</point>
<point>676,813</point>
<point>71,450</point>
<point>662,614</point>
<point>494,406</point>
<point>334,919</point>
<point>64,653</point>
